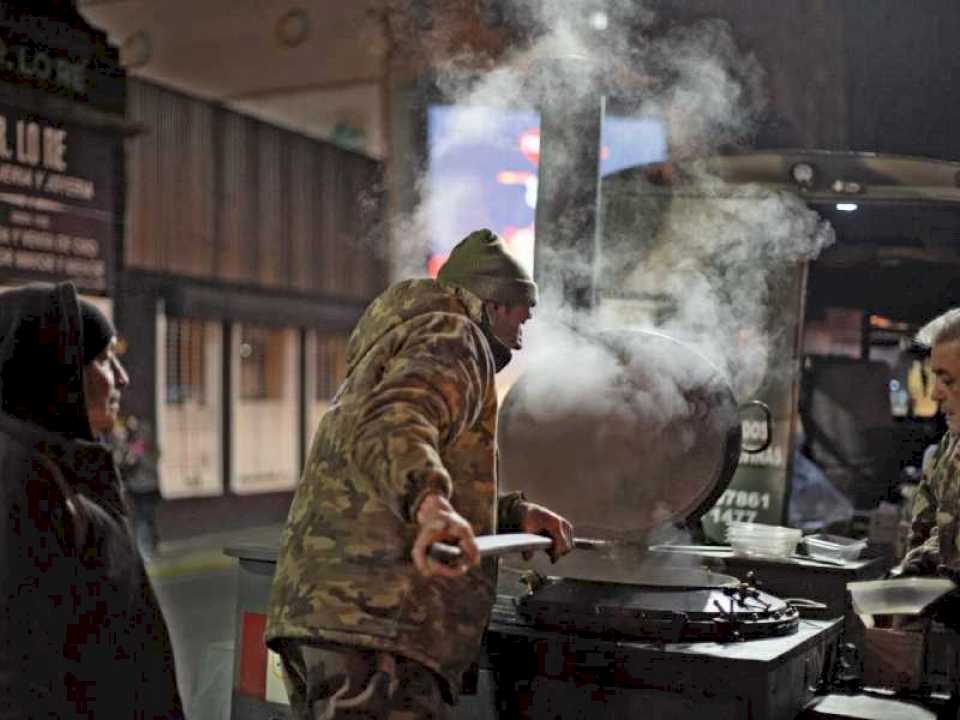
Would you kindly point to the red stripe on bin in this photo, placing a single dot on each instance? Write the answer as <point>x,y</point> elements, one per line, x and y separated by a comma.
<point>252,671</point>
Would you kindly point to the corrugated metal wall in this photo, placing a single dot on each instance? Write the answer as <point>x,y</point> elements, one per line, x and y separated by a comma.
<point>216,195</point>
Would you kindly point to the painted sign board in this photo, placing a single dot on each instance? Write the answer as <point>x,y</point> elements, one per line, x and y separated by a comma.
<point>58,188</point>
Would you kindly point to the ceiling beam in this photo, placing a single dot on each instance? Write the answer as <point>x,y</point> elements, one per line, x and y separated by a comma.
<point>302,88</point>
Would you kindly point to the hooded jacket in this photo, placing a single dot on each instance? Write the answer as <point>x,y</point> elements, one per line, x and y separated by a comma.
<point>81,633</point>
<point>417,413</point>
<point>934,538</point>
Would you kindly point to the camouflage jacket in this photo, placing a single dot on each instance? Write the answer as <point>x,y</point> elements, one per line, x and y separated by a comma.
<point>417,413</point>
<point>936,508</point>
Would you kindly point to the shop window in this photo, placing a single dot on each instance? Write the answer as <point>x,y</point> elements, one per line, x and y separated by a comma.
<point>331,365</point>
<point>266,404</point>
<point>190,433</point>
<point>185,360</point>
<point>262,362</point>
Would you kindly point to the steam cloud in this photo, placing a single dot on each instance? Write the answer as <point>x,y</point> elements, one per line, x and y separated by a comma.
<point>697,263</point>
<point>712,254</point>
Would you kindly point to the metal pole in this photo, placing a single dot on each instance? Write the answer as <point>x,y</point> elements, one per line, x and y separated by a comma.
<point>568,198</point>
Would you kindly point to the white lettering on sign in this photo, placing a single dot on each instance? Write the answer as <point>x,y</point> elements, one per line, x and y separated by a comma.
<point>76,267</point>
<point>35,261</point>
<point>754,430</point>
<point>45,228</point>
<point>728,515</point>
<point>37,240</point>
<point>28,143</point>
<point>87,247</point>
<point>771,457</point>
<point>740,505</point>
<point>54,149</point>
<point>69,186</point>
<point>11,174</point>
<point>33,64</point>
<point>28,219</point>
<point>39,145</point>
<point>71,75</point>
<point>33,239</point>
<point>40,152</point>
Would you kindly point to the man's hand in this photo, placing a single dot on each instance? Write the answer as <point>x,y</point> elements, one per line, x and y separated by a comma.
<point>539,520</point>
<point>439,522</point>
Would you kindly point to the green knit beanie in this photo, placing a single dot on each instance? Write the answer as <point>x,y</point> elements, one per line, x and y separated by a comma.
<point>481,264</point>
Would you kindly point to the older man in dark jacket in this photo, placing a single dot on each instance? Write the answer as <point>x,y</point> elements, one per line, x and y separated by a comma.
<point>81,633</point>
<point>405,456</point>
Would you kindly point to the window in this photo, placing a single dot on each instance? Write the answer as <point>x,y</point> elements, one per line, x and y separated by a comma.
<point>262,358</point>
<point>185,360</point>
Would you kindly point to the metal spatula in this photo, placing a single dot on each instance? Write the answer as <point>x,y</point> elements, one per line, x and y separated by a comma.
<point>495,545</point>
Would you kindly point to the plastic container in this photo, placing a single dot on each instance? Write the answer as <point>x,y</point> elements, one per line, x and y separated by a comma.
<point>762,540</point>
<point>909,596</point>
<point>833,547</point>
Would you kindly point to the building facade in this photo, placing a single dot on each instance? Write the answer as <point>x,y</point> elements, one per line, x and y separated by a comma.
<point>233,256</point>
<point>250,253</point>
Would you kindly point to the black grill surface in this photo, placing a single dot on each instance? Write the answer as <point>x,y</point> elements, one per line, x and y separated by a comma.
<point>663,614</point>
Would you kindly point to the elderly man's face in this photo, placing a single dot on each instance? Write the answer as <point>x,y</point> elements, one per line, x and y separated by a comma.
<point>945,363</point>
<point>506,322</point>
<point>103,380</point>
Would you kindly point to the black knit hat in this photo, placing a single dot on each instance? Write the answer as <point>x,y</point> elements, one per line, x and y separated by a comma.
<point>97,330</point>
<point>481,264</point>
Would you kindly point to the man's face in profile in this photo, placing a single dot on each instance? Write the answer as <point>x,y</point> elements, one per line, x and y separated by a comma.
<point>945,364</point>
<point>506,322</point>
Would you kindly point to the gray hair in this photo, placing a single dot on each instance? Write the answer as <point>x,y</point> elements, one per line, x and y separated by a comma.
<point>943,328</point>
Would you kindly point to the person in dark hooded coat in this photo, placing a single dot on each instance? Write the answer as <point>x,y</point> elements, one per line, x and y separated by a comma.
<point>81,632</point>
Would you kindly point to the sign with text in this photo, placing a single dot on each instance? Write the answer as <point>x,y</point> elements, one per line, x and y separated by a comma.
<point>760,489</point>
<point>50,47</point>
<point>58,184</point>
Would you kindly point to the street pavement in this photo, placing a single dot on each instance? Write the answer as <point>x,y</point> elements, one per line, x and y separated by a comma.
<point>196,584</point>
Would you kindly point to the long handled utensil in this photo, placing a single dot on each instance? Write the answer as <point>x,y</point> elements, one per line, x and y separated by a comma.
<point>495,545</point>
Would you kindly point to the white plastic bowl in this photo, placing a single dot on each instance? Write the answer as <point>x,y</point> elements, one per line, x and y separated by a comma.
<point>910,596</point>
<point>780,549</point>
<point>762,540</point>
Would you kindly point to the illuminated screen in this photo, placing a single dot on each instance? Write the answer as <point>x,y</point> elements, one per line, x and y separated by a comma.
<point>483,172</point>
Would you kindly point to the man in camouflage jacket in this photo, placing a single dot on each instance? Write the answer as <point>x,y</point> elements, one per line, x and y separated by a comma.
<point>365,623</point>
<point>934,544</point>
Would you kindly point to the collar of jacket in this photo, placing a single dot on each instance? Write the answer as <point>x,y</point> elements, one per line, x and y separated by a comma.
<point>89,463</point>
<point>477,312</point>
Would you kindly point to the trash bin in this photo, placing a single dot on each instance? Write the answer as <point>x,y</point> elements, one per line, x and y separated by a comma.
<point>258,690</point>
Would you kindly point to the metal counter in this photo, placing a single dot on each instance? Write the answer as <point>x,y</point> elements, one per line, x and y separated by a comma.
<point>544,674</point>
<point>530,673</point>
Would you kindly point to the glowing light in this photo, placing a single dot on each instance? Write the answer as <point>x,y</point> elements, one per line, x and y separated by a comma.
<point>847,207</point>
<point>530,145</point>
<point>599,20</point>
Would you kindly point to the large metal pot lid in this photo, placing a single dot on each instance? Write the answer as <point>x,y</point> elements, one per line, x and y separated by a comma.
<point>622,433</point>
